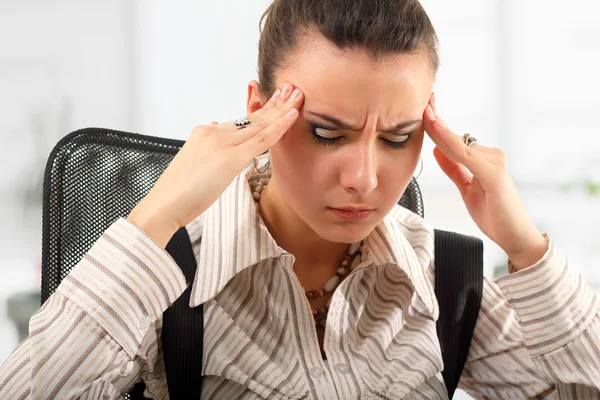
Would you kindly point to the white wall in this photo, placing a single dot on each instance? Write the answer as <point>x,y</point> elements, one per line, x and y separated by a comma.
<point>63,65</point>
<point>194,61</point>
<point>523,76</point>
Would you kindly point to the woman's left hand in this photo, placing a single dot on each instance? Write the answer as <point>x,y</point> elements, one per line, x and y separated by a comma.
<point>489,193</point>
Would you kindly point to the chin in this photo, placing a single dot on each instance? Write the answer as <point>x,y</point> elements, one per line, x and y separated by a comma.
<point>345,233</point>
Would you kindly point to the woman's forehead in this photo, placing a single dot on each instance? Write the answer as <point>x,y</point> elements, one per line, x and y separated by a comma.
<point>354,100</point>
<point>353,83</point>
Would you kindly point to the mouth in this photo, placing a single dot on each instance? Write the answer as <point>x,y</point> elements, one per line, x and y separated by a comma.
<point>352,213</point>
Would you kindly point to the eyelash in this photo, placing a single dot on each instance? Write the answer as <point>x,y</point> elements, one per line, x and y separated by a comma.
<point>331,141</point>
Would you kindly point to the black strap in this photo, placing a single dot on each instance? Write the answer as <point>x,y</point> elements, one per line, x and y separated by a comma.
<point>183,328</point>
<point>182,331</point>
<point>459,289</point>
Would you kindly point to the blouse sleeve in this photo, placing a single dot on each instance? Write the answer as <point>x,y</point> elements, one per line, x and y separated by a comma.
<point>97,335</point>
<point>537,334</point>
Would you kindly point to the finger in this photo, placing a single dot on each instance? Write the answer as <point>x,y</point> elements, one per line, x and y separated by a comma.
<point>229,126</point>
<point>494,156</point>
<point>457,172</point>
<point>467,185</point>
<point>476,145</point>
<point>270,104</point>
<point>221,128</point>
<point>280,96</point>
<point>453,147</point>
<point>488,151</point>
<point>289,94</point>
<point>286,103</point>
<point>266,138</point>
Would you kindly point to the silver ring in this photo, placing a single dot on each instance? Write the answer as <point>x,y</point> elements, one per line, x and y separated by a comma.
<point>242,123</point>
<point>469,140</point>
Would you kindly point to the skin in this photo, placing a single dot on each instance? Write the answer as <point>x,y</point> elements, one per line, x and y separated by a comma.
<point>361,168</point>
<point>308,178</point>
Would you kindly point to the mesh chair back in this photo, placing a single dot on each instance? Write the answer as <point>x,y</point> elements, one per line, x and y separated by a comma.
<point>92,177</point>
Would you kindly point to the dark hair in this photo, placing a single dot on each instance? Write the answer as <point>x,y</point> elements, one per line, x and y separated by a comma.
<point>379,27</point>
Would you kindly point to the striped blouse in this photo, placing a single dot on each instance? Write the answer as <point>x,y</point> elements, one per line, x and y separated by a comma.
<point>537,335</point>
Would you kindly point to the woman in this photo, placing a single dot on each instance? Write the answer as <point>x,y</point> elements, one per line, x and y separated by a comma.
<point>310,233</point>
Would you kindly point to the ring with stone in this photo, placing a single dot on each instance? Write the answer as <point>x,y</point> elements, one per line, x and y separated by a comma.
<point>242,123</point>
<point>469,140</point>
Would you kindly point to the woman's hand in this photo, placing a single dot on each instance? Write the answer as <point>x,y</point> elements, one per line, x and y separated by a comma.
<point>488,191</point>
<point>207,164</point>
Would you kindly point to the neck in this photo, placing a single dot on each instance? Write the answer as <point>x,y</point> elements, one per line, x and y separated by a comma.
<point>315,256</point>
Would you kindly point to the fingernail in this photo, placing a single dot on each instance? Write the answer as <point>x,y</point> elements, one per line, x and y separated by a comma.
<point>286,91</point>
<point>291,113</point>
<point>430,113</point>
<point>294,95</point>
<point>275,95</point>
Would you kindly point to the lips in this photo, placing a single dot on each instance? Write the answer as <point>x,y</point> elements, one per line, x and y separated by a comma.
<point>352,213</point>
<point>355,209</point>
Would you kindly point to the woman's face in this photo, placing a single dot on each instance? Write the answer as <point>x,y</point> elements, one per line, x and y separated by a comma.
<point>319,166</point>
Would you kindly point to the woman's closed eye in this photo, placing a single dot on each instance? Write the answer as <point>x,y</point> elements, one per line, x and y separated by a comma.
<point>330,137</point>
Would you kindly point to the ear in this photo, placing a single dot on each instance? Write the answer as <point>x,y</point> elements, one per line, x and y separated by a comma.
<point>256,99</point>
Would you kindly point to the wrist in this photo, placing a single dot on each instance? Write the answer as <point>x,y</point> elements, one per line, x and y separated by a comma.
<point>152,224</point>
<point>532,253</point>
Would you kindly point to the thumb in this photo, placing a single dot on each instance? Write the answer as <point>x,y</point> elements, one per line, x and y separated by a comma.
<point>458,173</point>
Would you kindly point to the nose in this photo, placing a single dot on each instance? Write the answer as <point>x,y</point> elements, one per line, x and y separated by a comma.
<point>359,170</point>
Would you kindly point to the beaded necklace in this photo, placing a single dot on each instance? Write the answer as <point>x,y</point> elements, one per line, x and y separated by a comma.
<point>352,259</point>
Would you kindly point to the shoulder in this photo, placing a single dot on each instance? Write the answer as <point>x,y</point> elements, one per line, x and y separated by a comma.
<point>419,233</point>
<point>412,226</point>
<point>412,231</point>
<point>421,237</point>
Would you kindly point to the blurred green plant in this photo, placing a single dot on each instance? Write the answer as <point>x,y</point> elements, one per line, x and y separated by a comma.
<point>590,187</point>
<point>500,269</point>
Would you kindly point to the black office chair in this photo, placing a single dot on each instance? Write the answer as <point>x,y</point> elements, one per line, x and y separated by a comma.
<point>93,177</point>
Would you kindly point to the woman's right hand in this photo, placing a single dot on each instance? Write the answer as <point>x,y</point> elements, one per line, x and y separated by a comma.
<point>207,164</point>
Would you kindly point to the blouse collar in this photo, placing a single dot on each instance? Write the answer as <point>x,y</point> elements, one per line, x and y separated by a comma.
<point>234,237</point>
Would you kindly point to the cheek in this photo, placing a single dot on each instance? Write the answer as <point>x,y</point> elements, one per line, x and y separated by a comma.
<point>297,165</point>
<point>291,153</point>
<point>398,168</point>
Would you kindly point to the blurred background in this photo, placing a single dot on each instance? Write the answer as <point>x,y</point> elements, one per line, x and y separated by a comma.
<point>519,75</point>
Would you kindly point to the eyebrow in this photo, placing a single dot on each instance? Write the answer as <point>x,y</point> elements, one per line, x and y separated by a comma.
<point>339,124</point>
